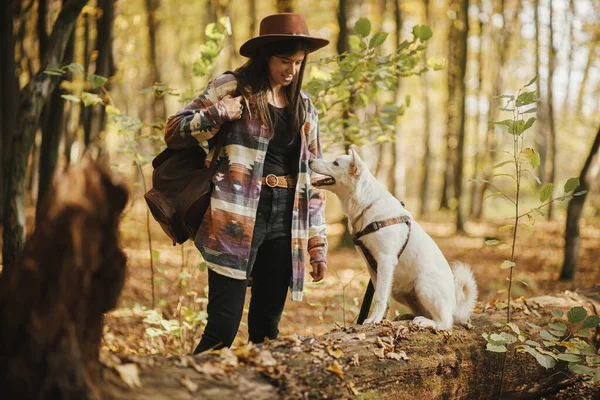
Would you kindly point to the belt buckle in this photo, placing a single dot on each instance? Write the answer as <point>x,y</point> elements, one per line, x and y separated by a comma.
<point>271,180</point>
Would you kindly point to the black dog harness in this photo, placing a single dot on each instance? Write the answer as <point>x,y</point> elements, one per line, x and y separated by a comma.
<point>374,227</point>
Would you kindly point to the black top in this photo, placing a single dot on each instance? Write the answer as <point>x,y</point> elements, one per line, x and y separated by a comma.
<point>282,156</point>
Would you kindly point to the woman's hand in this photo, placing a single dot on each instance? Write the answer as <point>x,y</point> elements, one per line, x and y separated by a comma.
<point>318,271</point>
<point>234,106</point>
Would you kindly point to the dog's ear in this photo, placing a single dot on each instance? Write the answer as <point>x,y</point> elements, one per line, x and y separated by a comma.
<point>355,164</point>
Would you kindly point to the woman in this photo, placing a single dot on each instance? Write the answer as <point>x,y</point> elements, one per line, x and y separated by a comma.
<point>264,214</point>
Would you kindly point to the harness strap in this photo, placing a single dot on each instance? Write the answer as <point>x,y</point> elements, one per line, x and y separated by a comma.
<point>375,226</point>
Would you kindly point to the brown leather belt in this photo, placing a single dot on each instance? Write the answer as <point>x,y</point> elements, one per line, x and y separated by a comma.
<point>287,181</point>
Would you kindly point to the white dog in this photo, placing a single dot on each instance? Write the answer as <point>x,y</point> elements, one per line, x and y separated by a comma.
<point>421,277</point>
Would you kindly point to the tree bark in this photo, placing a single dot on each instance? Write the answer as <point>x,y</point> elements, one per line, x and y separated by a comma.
<point>342,45</point>
<point>33,98</point>
<point>398,169</point>
<point>478,137</point>
<point>550,97</point>
<point>439,366</point>
<point>9,92</point>
<point>157,104</point>
<point>457,62</point>
<point>574,210</point>
<point>423,190</point>
<point>463,34</point>
<point>52,302</point>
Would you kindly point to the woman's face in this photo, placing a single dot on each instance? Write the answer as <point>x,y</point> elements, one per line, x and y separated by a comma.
<point>283,68</point>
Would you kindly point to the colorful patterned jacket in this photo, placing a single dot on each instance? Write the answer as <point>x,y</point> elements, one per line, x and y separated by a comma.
<point>225,235</point>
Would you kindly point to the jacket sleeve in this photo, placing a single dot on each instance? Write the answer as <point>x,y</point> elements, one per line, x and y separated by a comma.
<point>317,234</point>
<point>201,119</point>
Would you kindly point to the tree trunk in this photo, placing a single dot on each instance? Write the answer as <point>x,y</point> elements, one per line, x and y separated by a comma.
<point>542,122</point>
<point>33,98</point>
<point>586,72</point>
<point>424,189</point>
<point>439,366</point>
<point>285,6</point>
<point>86,112</point>
<point>342,45</point>
<point>52,124</point>
<point>51,336</point>
<point>103,66</point>
<point>157,105</point>
<point>252,31</point>
<point>478,137</point>
<point>9,94</point>
<point>550,96</point>
<point>463,34</point>
<point>398,169</point>
<point>574,210</point>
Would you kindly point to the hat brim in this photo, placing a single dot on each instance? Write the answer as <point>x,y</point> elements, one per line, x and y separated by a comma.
<point>252,46</point>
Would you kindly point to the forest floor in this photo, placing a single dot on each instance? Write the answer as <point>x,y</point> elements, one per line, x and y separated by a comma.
<point>180,280</point>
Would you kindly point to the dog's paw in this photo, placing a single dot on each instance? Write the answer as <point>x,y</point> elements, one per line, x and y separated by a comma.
<point>372,320</point>
<point>424,323</point>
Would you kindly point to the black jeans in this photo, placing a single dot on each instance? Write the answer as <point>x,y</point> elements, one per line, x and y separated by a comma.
<point>271,271</point>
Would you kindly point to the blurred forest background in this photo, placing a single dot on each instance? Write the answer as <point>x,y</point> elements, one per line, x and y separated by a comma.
<point>103,75</point>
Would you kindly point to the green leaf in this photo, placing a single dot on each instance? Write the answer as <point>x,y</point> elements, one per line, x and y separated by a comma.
<point>202,266</point>
<point>356,43</point>
<point>569,357</point>
<point>54,72</point>
<point>571,184</point>
<point>533,343</point>
<point>492,242</point>
<point>527,125</point>
<point>557,313</point>
<point>580,193</point>
<point>363,27</point>
<point>502,163</point>
<point>545,361</point>
<point>532,81</point>
<point>90,99</point>
<point>596,377</point>
<point>593,360</point>
<point>558,325</point>
<point>583,333</point>
<point>525,98</point>
<point>581,369</point>
<point>423,32</point>
<point>155,254</point>
<point>534,326</point>
<point>591,321</point>
<point>576,315</point>
<point>72,98</point>
<point>96,80</point>
<point>495,348</point>
<point>514,328</point>
<point>547,335</point>
<point>546,192</point>
<point>75,68</point>
<point>507,264</point>
<point>378,39</point>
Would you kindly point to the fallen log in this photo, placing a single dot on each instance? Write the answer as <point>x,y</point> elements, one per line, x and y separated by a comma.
<point>387,361</point>
<point>72,271</point>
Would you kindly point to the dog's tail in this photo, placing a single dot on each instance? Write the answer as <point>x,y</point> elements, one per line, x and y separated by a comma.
<point>466,292</point>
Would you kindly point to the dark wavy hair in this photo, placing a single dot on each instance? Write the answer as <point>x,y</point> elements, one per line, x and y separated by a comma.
<point>253,83</point>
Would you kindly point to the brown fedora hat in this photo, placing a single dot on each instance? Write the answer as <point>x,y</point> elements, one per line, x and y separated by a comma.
<point>281,26</point>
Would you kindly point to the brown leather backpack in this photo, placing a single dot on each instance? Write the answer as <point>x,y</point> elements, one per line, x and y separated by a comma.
<point>181,189</point>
